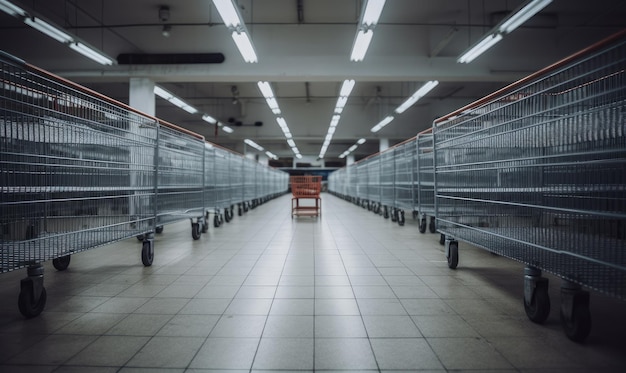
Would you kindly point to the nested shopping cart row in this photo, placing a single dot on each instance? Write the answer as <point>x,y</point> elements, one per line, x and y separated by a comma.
<point>79,170</point>
<point>392,182</point>
<point>534,172</point>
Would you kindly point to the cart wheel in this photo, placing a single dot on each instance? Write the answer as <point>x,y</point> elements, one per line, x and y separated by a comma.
<point>432,227</point>
<point>442,239</point>
<point>401,218</point>
<point>140,237</point>
<point>386,212</point>
<point>578,327</point>
<point>195,231</point>
<point>28,306</point>
<point>239,210</point>
<point>227,215</point>
<point>205,226</point>
<point>394,215</point>
<point>453,255</point>
<point>245,207</point>
<point>159,229</point>
<point>216,221</point>
<point>147,253</point>
<point>539,308</point>
<point>61,263</point>
<point>423,225</point>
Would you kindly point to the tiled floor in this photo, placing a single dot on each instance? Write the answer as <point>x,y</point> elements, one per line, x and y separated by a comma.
<point>349,291</point>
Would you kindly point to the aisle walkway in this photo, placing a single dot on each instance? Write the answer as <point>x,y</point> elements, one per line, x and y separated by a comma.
<point>349,291</point>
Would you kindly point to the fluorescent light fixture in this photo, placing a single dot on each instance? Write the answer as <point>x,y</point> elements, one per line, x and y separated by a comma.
<point>276,111</point>
<point>335,120</point>
<point>332,130</point>
<point>228,12</point>
<point>272,103</point>
<point>11,9</point>
<point>271,155</point>
<point>342,156</point>
<point>227,129</point>
<point>245,46</point>
<point>523,15</point>
<point>478,49</point>
<point>421,92</point>
<point>48,29</point>
<point>361,141</point>
<point>162,93</point>
<point>209,119</point>
<point>253,144</point>
<point>266,89</point>
<point>174,100</point>
<point>298,155</point>
<point>382,124</point>
<point>352,148</point>
<point>281,122</point>
<point>91,53</point>
<point>361,43</point>
<point>291,143</point>
<point>341,102</point>
<point>372,11</point>
<point>346,88</point>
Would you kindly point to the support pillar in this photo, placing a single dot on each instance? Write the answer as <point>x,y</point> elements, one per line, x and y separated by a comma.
<point>141,95</point>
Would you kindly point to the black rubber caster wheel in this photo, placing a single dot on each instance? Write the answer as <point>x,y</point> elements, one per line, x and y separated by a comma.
<point>386,212</point>
<point>422,226</point>
<point>453,255</point>
<point>216,221</point>
<point>442,239</point>
<point>401,218</point>
<point>539,308</point>
<point>432,226</point>
<point>227,215</point>
<point>140,237</point>
<point>61,263</point>
<point>159,229</point>
<point>28,306</point>
<point>578,327</point>
<point>205,227</point>
<point>195,231</point>
<point>147,253</point>
<point>239,210</point>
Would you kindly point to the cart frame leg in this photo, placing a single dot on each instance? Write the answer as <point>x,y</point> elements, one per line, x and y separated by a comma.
<point>32,298</point>
<point>536,299</point>
<point>574,312</point>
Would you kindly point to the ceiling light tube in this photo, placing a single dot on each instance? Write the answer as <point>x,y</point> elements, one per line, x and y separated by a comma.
<point>298,155</point>
<point>209,119</point>
<point>522,15</point>
<point>341,102</point>
<point>162,93</point>
<point>281,122</point>
<point>228,12</point>
<point>361,141</point>
<point>272,103</point>
<point>372,12</point>
<point>478,49</point>
<point>382,124</point>
<point>11,9</point>
<point>253,144</point>
<point>291,143</point>
<point>271,155</point>
<point>361,43</point>
<point>421,92</point>
<point>227,129</point>
<point>48,29</point>
<point>335,120</point>
<point>245,46</point>
<point>352,148</point>
<point>332,130</point>
<point>91,53</point>
<point>266,89</point>
<point>346,88</point>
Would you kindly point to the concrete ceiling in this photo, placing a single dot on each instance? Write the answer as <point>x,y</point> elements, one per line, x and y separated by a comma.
<point>303,49</point>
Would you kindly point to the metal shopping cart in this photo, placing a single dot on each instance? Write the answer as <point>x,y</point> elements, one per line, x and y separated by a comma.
<point>535,172</point>
<point>306,189</point>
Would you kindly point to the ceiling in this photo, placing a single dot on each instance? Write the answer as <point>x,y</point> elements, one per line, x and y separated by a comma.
<point>303,47</point>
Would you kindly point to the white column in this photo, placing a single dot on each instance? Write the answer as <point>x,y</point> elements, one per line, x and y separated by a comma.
<point>349,159</point>
<point>383,144</point>
<point>141,95</point>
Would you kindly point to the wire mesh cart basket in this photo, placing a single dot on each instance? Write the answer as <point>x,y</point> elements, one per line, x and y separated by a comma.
<point>535,172</point>
<point>425,187</point>
<point>306,200</point>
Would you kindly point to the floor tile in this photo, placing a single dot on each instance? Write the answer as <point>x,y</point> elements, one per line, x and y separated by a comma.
<point>295,292</point>
<point>288,327</point>
<point>292,307</point>
<point>341,353</point>
<point>406,353</point>
<point>336,307</point>
<point>202,306</point>
<point>339,327</point>
<point>53,350</point>
<point>140,325</point>
<point>189,326</point>
<point>167,352</point>
<point>381,307</point>
<point>284,353</point>
<point>468,353</point>
<point>390,327</point>
<point>109,351</point>
<point>249,306</point>
<point>226,354</point>
<point>239,326</point>
<point>444,326</point>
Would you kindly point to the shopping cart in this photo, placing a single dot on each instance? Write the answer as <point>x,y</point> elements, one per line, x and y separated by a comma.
<point>535,172</point>
<point>306,199</point>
